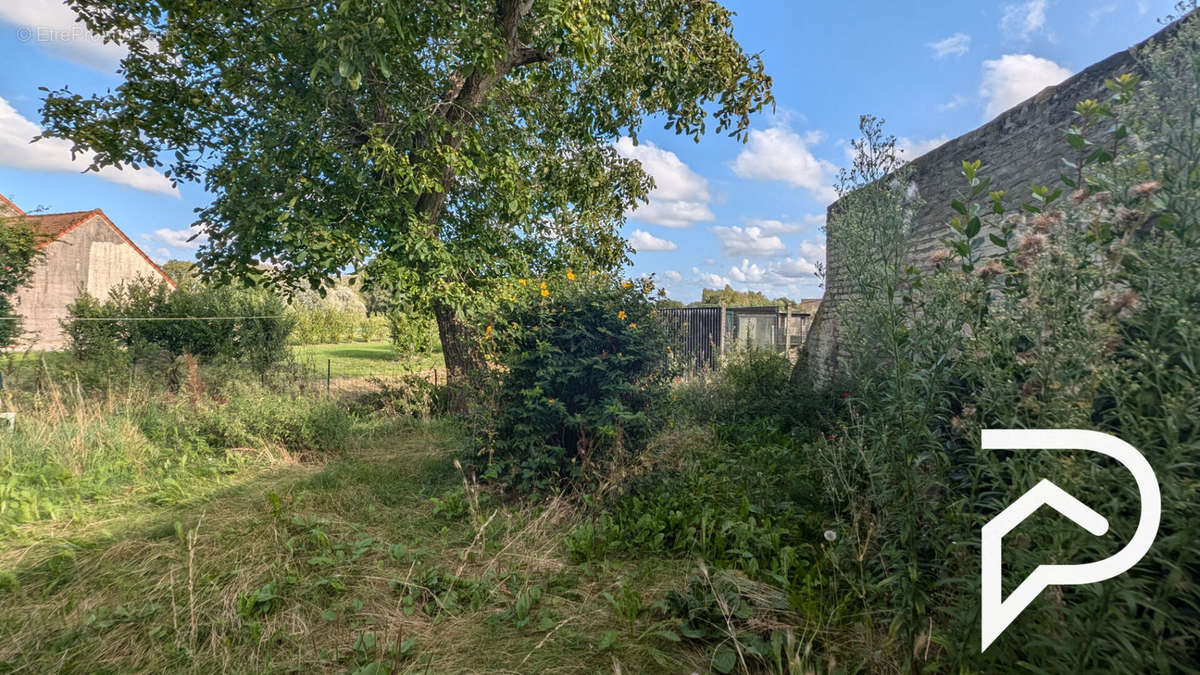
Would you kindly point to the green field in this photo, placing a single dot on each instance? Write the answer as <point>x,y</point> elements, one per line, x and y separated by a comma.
<point>363,359</point>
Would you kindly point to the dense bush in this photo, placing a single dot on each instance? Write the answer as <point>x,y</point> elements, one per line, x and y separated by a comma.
<point>146,319</point>
<point>751,386</point>
<point>1084,319</point>
<point>583,362</point>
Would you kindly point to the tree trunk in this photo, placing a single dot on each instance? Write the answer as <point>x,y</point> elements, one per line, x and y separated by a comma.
<point>463,357</point>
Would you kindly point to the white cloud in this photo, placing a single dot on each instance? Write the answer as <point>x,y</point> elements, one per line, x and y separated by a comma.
<point>51,24</point>
<point>680,196</point>
<point>672,213</point>
<point>1022,20</point>
<point>672,275</point>
<point>1012,78</point>
<point>710,280</point>
<point>911,149</point>
<point>813,221</point>
<point>954,103</point>
<point>956,44</point>
<point>644,241</point>
<point>747,272</point>
<point>54,154</point>
<point>747,241</point>
<point>792,276</point>
<point>781,154</point>
<point>813,251</point>
<point>159,255</point>
<point>178,238</point>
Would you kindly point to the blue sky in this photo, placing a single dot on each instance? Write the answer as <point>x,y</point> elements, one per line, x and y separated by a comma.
<point>723,212</point>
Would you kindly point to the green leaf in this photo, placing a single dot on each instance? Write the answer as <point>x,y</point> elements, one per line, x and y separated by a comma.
<point>973,227</point>
<point>724,659</point>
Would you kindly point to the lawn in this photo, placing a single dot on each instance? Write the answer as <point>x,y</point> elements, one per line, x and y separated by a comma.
<point>363,359</point>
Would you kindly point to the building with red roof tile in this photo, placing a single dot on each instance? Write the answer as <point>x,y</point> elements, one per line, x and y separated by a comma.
<point>82,251</point>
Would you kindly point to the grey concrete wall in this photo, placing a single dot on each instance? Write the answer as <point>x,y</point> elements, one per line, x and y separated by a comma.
<point>1023,146</point>
<point>91,257</point>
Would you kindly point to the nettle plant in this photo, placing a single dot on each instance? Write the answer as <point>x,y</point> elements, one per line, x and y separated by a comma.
<point>583,362</point>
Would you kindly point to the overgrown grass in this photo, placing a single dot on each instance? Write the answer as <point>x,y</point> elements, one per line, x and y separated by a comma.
<point>240,529</point>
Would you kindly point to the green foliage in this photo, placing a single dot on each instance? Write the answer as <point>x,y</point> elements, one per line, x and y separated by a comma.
<point>338,315</point>
<point>214,324</point>
<point>746,501</point>
<point>17,258</point>
<point>411,332</point>
<point>468,143</point>
<point>753,386</point>
<point>583,363</point>
<point>730,298</point>
<point>182,272</point>
<point>407,396</point>
<point>1083,319</point>
<point>79,453</point>
<point>733,615</point>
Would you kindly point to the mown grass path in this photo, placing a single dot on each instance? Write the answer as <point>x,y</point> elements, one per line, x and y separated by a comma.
<point>374,561</point>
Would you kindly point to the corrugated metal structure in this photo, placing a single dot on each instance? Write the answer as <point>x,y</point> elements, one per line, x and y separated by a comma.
<point>698,333</point>
<point>704,333</point>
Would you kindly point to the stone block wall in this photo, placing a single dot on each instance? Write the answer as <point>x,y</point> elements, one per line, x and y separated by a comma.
<point>1022,147</point>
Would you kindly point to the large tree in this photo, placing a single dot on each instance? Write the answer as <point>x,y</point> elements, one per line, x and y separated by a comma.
<point>443,145</point>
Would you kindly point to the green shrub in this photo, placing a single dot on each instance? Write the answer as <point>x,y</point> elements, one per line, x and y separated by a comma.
<point>753,385</point>
<point>337,316</point>
<point>409,396</point>
<point>583,362</point>
<point>1083,320</point>
<point>214,324</point>
<point>247,415</point>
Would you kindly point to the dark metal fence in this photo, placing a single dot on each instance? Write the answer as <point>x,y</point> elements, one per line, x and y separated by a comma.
<point>704,333</point>
<point>698,332</point>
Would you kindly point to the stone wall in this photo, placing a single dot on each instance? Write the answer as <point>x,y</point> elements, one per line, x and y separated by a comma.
<point>1022,147</point>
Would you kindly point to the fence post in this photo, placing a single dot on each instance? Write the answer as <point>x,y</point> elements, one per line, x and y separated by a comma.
<point>328,373</point>
<point>787,331</point>
<point>721,332</point>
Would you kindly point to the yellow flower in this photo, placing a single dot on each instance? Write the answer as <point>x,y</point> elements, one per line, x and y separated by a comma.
<point>488,332</point>
<point>570,275</point>
<point>522,282</point>
<point>543,284</point>
<point>627,284</point>
<point>662,292</point>
<point>545,293</point>
<point>621,315</point>
<point>633,325</point>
